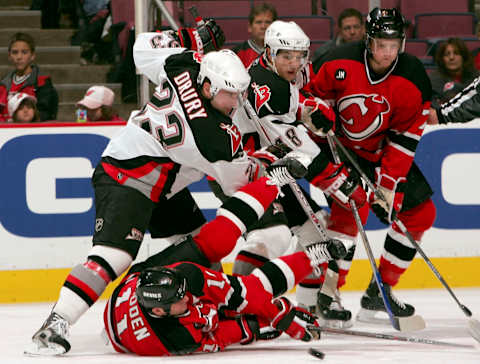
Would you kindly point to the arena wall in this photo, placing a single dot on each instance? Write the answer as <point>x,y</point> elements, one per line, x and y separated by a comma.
<point>47,211</point>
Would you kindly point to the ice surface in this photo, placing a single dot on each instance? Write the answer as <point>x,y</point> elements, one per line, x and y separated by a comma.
<point>445,322</point>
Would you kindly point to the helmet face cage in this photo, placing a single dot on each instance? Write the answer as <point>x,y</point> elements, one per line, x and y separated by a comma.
<point>160,287</point>
<point>224,71</point>
<point>386,24</point>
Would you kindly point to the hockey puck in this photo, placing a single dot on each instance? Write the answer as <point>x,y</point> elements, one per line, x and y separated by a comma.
<point>316,353</point>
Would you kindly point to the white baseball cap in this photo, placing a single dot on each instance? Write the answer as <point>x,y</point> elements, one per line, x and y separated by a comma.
<point>15,100</point>
<point>97,96</point>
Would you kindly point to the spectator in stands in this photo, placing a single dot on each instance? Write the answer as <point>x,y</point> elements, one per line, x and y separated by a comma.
<point>455,70</point>
<point>351,28</point>
<point>23,108</point>
<point>261,16</point>
<point>97,105</point>
<point>26,78</point>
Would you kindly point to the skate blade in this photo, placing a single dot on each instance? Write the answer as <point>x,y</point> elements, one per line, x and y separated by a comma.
<point>474,328</point>
<point>411,323</point>
<point>34,349</point>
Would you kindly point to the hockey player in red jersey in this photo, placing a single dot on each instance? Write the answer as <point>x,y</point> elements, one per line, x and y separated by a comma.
<point>382,96</point>
<point>184,132</point>
<point>184,307</point>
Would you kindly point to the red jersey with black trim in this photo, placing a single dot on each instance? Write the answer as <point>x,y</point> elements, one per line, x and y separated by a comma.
<point>248,52</point>
<point>382,117</point>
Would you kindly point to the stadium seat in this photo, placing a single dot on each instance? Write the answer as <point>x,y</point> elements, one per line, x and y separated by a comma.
<point>410,8</point>
<point>333,8</point>
<point>444,25</point>
<point>317,27</point>
<point>472,44</point>
<point>234,27</point>
<point>419,48</point>
<point>314,44</point>
<point>289,7</point>
<point>214,9</point>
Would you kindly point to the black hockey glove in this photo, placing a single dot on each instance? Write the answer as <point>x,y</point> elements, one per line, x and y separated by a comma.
<point>255,328</point>
<point>206,38</point>
<point>212,36</point>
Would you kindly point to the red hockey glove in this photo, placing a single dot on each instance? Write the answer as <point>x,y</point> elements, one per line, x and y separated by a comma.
<point>386,211</point>
<point>206,38</point>
<point>255,328</point>
<point>203,316</point>
<point>335,181</point>
<point>317,115</point>
<point>294,321</point>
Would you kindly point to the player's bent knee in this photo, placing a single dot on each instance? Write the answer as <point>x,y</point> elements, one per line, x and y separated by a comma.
<point>274,241</point>
<point>114,261</point>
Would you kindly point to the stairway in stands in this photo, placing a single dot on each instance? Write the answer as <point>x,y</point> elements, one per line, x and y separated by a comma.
<point>55,57</point>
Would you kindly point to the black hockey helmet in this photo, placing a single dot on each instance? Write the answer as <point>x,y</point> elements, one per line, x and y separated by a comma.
<point>160,287</point>
<point>385,23</point>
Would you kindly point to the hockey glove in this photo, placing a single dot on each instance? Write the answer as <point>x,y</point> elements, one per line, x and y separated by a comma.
<point>386,210</point>
<point>203,316</point>
<point>206,38</point>
<point>294,320</point>
<point>255,328</point>
<point>335,181</point>
<point>317,115</point>
<point>270,154</point>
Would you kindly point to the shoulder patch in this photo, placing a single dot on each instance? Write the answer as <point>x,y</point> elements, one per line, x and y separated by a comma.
<point>262,95</point>
<point>235,136</point>
<point>340,74</point>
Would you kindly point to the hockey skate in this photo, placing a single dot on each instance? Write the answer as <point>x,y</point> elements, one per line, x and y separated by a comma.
<point>324,251</point>
<point>51,338</point>
<point>286,170</point>
<point>331,312</point>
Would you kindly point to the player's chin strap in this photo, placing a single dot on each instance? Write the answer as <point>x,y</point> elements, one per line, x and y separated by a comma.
<point>474,324</point>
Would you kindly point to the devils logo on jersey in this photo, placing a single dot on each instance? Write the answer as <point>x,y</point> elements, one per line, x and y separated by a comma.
<point>235,136</point>
<point>362,115</point>
<point>262,95</point>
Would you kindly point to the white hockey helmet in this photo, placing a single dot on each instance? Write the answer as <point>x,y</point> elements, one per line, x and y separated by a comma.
<point>286,35</point>
<point>225,71</point>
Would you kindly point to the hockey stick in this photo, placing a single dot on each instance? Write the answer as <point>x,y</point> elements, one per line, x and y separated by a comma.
<point>377,335</point>
<point>302,200</point>
<point>473,324</point>
<point>399,323</point>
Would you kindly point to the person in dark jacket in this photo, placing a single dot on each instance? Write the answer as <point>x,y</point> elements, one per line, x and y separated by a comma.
<point>455,70</point>
<point>26,78</point>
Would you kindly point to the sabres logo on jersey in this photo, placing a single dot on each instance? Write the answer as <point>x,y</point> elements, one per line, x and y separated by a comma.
<point>235,136</point>
<point>362,115</point>
<point>262,95</point>
<point>197,57</point>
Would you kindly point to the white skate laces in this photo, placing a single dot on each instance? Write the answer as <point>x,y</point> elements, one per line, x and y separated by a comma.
<point>318,253</point>
<point>279,176</point>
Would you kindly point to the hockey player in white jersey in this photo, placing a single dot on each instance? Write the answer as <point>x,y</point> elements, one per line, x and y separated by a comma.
<point>184,132</point>
<point>277,77</point>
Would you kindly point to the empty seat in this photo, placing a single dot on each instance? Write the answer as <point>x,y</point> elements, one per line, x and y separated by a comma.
<point>289,7</point>
<point>410,8</point>
<point>443,25</point>
<point>472,44</point>
<point>314,44</point>
<point>419,48</point>
<point>123,11</point>
<point>317,27</point>
<point>214,9</point>
<point>234,27</point>
<point>333,8</point>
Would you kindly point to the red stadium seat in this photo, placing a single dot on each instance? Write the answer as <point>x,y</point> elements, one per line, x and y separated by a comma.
<point>443,25</point>
<point>472,44</point>
<point>411,7</point>
<point>234,27</point>
<point>214,9</point>
<point>123,11</point>
<point>289,7</point>
<point>333,8</point>
<point>317,27</point>
<point>419,48</point>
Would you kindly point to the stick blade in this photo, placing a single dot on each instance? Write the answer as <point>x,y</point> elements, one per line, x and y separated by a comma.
<point>411,323</point>
<point>474,328</point>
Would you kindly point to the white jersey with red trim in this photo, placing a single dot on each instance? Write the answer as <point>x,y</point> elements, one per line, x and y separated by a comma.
<point>178,136</point>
